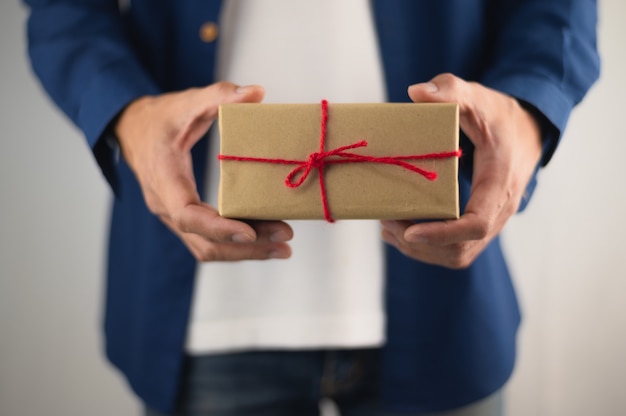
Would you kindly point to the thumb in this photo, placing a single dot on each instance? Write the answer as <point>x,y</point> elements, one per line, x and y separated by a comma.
<point>248,94</point>
<point>442,88</point>
<point>227,92</point>
<point>447,88</point>
<point>203,105</point>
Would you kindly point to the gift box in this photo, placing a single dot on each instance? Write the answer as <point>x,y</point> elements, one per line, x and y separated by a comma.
<point>339,161</point>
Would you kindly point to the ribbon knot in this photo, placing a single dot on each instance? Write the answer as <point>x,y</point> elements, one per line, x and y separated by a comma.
<point>319,160</point>
<point>316,159</point>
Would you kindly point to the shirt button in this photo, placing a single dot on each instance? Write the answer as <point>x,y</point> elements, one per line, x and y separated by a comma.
<point>209,32</point>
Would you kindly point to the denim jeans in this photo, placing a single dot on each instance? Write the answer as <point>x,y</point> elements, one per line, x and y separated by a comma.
<point>288,383</point>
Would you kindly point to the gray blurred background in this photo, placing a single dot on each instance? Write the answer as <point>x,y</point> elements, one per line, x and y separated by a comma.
<point>566,252</point>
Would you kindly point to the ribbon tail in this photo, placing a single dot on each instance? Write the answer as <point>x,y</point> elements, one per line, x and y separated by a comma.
<point>325,206</point>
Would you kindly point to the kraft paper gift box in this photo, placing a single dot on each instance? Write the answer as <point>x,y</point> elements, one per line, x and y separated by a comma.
<point>263,145</point>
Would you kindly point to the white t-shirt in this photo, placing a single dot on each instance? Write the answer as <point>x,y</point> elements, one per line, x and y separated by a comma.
<point>329,293</point>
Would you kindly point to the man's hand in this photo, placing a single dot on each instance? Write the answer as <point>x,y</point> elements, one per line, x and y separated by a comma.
<point>156,135</point>
<point>507,142</point>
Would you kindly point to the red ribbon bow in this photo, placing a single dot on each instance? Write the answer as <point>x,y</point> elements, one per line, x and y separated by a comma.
<point>319,160</point>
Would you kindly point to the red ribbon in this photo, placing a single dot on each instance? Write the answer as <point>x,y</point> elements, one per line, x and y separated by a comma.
<point>319,160</point>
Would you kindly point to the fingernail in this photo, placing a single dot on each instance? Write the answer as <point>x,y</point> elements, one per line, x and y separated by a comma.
<point>279,236</point>
<point>425,86</point>
<point>416,238</point>
<point>279,254</point>
<point>244,89</point>
<point>242,238</point>
<point>430,87</point>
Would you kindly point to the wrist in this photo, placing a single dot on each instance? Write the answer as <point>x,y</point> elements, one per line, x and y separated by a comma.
<point>124,121</point>
<point>128,123</point>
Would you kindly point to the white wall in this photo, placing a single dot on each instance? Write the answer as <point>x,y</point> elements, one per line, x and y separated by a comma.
<point>52,228</point>
<point>566,253</point>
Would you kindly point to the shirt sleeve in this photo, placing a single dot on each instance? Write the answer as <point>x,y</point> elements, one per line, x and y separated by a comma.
<point>545,55</point>
<point>81,54</point>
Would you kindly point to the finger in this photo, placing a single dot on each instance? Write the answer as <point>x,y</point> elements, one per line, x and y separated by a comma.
<point>454,256</point>
<point>489,206</point>
<point>273,231</point>
<point>421,252</point>
<point>435,233</point>
<point>227,92</point>
<point>204,220</point>
<point>255,251</point>
<point>443,233</point>
<point>447,88</point>
<point>206,251</point>
<point>396,227</point>
<point>390,238</point>
<point>202,107</point>
<point>442,88</point>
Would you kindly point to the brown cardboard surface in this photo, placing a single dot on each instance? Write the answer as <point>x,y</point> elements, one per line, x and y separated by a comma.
<point>257,190</point>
